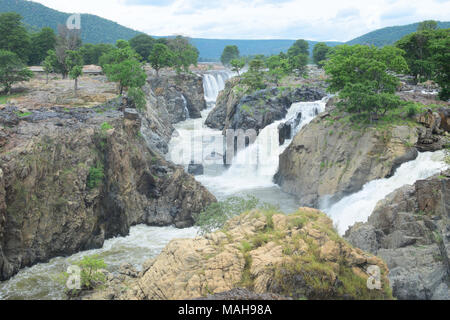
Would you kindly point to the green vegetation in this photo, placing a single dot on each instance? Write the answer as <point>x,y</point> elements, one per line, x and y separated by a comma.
<point>91,276</point>
<point>160,57</point>
<point>320,53</point>
<point>237,65</point>
<point>106,126</point>
<point>91,53</point>
<point>184,53</point>
<point>122,65</point>
<point>229,53</point>
<point>363,77</point>
<point>14,36</point>
<point>12,70</point>
<point>74,63</point>
<point>41,42</point>
<point>137,95</point>
<point>217,214</point>
<point>95,177</point>
<point>389,35</point>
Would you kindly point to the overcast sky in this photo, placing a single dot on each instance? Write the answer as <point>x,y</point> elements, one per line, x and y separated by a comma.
<point>340,20</point>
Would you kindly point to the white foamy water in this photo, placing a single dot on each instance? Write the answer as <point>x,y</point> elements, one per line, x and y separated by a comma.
<point>256,166</point>
<point>143,243</point>
<point>213,83</point>
<point>359,206</point>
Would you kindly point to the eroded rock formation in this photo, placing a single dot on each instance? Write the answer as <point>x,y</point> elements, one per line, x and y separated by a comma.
<point>298,256</point>
<point>410,230</point>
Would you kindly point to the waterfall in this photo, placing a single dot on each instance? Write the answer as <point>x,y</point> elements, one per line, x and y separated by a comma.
<point>256,166</point>
<point>213,83</point>
<point>186,110</point>
<point>359,206</point>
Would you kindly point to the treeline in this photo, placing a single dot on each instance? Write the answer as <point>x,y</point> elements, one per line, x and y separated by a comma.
<point>366,76</point>
<point>264,70</point>
<point>64,53</point>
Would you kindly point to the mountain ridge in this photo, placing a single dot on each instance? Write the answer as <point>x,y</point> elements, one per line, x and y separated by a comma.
<point>96,29</point>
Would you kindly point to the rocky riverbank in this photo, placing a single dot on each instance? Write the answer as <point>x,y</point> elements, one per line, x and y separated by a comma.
<point>410,231</point>
<point>71,178</point>
<point>273,255</point>
<point>329,158</point>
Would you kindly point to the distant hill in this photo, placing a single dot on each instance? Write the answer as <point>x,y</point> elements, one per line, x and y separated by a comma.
<point>390,35</point>
<point>98,30</point>
<point>94,28</point>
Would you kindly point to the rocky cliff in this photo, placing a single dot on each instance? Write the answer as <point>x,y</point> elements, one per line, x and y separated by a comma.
<point>237,110</point>
<point>298,256</point>
<point>71,178</point>
<point>181,96</point>
<point>330,159</point>
<point>410,230</point>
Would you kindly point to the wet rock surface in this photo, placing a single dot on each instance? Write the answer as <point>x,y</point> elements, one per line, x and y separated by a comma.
<point>410,231</point>
<point>235,110</point>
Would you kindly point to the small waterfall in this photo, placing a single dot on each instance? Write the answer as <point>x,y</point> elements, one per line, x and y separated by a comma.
<point>213,83</point>
<point>359,206</point>
<point>186,110</point>
<point>255,166</point>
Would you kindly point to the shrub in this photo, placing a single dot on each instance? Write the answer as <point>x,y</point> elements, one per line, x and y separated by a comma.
<point>90,277</point>
<point>106,126</point>
<point>95,177</point>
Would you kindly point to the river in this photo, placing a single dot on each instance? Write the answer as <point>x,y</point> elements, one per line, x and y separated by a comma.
<point>252,173</point>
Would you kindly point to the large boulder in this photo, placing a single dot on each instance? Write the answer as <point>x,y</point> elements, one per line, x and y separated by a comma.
<point>237,110</point>
<point>410,231</point>
<point>181,95</point>
<point>328,159</point>
<point>298,256</point>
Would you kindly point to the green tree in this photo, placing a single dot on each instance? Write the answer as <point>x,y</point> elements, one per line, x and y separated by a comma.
<point>13,35</point>
<point>440,59</point>
<point>184,54</point>
<point>12,70</point>
<point>417,54</point>
<point>74,62</point>
<point>298,63</point>
<point>229,53</point>
<point>299,47</point>
<point>92,52</point>
<point>160,57</point>
<point>320,53</point>
<point>237,65</point>
<point>47,64</point>
<point>41,42</point>
<point>143,45</point>
<point>364,78</point>
<point>122,65</point>
<point>427,25</point>
<point>278,68</point>
<point>254,77</point>
<point>53,60</point>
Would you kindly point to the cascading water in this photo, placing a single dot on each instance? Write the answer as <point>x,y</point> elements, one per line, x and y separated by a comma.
<point>359,206</point>
<point>256,166</point>
<point>213,83</point>
<point>186,110</point>
<point>143,243</point>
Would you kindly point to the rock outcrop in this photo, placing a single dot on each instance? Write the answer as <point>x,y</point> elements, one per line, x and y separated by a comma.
<point>410,231</point>
<point>181,95</point>
<point>298,256</point>
<point>69,179</point>
<point>329,160</point>
<point>235,110</point>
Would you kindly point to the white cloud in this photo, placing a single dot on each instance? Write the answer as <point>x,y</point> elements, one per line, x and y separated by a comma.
<point>259,19</point>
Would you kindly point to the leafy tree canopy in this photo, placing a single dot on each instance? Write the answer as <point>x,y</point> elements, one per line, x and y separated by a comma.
<point>41,42</point>
<point>143,45</point>
<point>14,36</point>
<point>364,78</point>
<point>160,57</point>
<point>12,70</point>
<point>229,53</point>
<point>320,53</point>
